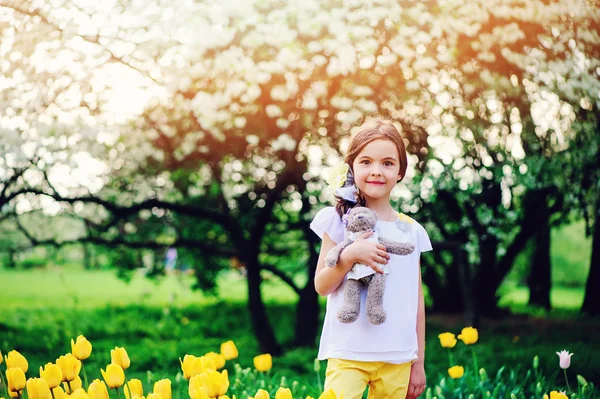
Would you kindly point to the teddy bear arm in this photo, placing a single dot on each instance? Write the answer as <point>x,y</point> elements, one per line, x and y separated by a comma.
<point>333,256</point>
<point>397,248</point>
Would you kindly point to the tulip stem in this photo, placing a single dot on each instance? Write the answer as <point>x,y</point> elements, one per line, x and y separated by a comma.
<point>450,359</point>
<point>127,387</point>
<point>567,380</point>
<point>84,375</point>
<point>4,385</point>
<point>118,394</point>
<point>476,371</point>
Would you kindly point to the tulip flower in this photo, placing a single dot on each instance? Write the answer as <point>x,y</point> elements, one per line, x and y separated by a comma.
<point>163,387</point>
<point>215,383</point>
<point>72,386</point>
<point>37,388</point>
<point>564,359</point>
<point>114,375</point>
<point>15,359</point>
<point>329,394</point>
<point>15,377</point>
<point>263,362</point>
<point>283,393</point>
<point>558,395</point>
<point>200,394</point>
<point>262,394</point>
<point>229,350</point>
<point>70,366</point>
<point>134,389</point>
<point>59,393</point>
<point>52,374</point>
<point>447,340</point>
<point>217,358</point>
<point>79,393</point>
<point>2,358</point>
<point>98,390</point>
<point>119,356</point>
<point>564,363</point>
<point>456,372</point>
<point>192,365</point>
<point>82,348</point>
<point>469,335</point>
<point>154,396</point>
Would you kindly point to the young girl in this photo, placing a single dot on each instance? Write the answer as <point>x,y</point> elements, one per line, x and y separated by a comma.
<point>388,357</point>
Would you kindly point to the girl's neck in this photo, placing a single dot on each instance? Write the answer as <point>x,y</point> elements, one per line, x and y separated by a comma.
<point>382,206</point>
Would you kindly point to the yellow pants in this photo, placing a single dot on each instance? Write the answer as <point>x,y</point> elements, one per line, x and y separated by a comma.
<point>349,378</point>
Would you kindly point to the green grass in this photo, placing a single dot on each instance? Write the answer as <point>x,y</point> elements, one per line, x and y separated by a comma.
<point>76,288</point>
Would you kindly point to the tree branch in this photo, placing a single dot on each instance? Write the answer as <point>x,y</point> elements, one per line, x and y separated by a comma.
<point>284,277</point>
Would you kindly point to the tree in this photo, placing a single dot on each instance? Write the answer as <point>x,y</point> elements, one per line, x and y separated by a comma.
<point>251,101</point>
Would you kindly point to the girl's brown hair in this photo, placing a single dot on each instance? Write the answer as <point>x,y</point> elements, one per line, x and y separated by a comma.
<point>374,129</point>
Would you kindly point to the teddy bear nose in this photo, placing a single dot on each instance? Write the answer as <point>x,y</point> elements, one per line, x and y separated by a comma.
<point>360,217</point>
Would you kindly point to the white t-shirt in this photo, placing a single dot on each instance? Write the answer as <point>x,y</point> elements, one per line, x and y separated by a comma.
<point>394,341</point>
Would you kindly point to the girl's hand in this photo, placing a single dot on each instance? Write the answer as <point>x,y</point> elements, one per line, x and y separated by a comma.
<point>366,252</point>
<point>417,382</point>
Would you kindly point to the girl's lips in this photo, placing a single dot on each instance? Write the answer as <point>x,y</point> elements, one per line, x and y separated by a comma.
<point>378,183</point>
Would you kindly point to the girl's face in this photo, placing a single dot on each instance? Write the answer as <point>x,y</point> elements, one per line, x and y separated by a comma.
<point>377,169</point>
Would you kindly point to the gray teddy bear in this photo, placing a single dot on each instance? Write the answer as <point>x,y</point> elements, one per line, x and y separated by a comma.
<point>360,220</point>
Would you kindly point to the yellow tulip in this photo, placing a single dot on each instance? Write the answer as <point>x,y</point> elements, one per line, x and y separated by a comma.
<point>217,358</point>
<point>59,393</point>
<point>447,340</point>
<point>82,348</point>
<point>79,393</point>
<point>262,394</point>
<point>163,387</point>
<point>229,350</point>
<point>211,382</point>
<point>456,371</point>
<point>15,376</point>
<point>72,386</point>
<point>37,388</point>
<point>13,394</point>
<point>114,375</point>
<point>200,394</point>
<point>15,359</point>
<point>309,397</point>
<point>52,374</point>
<point>192,365</point>
<point>1,359</point>
<point>119,356</point>
<point>469,335</point>
<point>98,390</point>
<point>283,393</point>
<point>263,362</point>
<point>329,394</point>
<point>70,366</point>
<point>154,396</point>
<point>134,389</point>
<point>558,395</point>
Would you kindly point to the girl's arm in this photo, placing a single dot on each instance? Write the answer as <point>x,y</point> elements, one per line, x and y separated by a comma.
<point>421,322</point>
<point>327,279</point>
<point>372,254</point>
<point>418,380</point>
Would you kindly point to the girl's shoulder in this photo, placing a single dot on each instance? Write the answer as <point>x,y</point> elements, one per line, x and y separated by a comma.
<point>327,220</point>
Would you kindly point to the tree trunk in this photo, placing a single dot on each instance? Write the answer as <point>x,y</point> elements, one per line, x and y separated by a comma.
<point>307,308</point>
<point>591,302</point>
<point>307,316</point>
<point>258,314</point>
<point>12,261</point>
<point>540,273</point>
<point>487,281</point>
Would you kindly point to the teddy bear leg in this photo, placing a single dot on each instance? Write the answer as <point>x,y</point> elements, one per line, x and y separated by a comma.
<point>348,313</point>
<point>374,305</point>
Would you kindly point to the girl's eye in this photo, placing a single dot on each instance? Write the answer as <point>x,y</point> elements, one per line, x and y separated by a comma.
<point>365,162</point>
<point>388,163</point>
